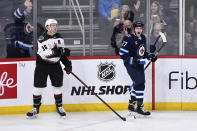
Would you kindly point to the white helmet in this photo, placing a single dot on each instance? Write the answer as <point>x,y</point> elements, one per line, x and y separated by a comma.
<point>50,21</point>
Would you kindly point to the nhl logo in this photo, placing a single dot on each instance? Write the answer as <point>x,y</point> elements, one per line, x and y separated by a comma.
<point>106,71</point>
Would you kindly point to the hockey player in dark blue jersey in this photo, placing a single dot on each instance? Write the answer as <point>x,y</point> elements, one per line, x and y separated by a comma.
<point>133,52</point>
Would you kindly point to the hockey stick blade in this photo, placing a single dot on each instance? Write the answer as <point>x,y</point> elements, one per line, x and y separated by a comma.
<point>123,118</point>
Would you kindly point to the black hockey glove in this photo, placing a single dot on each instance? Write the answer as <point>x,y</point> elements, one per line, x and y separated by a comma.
<point>152,48</point>
<point>68,69</point>
<point>66,52</point>
<point>153,57</point>
<point>56,52</point>
<point>67,63</point>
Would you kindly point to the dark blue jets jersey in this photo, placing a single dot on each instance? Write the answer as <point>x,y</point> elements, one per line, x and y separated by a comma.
<point>132,46</point>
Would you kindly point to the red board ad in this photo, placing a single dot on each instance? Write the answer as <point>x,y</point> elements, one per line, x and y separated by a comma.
<point>8,81</point>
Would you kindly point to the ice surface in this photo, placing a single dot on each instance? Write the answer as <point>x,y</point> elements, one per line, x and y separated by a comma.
<point>102,121</point>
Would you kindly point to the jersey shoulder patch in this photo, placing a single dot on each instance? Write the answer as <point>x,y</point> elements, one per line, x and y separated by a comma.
<point>41,37</point>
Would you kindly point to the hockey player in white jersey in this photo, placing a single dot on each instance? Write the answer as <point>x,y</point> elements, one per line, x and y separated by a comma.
<point>51,51</point>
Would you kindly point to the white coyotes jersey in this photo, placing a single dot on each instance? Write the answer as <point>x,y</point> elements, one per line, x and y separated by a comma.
<point>46,44</point>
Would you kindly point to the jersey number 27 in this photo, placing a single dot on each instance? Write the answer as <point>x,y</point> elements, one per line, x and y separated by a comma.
<point>124,43</point>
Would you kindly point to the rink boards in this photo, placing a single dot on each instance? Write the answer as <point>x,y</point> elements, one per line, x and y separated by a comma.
<point>174,87</point>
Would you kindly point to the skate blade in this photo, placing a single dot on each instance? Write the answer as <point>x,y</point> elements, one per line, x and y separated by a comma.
<point>32,117</point>
<point>142,116</point>
<point>132,114</point>
<point>63,117</point>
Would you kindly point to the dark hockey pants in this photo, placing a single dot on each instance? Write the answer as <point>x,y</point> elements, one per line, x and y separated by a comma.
<point>137,75</point>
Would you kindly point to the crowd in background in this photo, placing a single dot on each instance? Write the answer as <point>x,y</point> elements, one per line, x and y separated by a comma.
<point>191,28</point>
<point>162,18</point>
<point>17,32</point>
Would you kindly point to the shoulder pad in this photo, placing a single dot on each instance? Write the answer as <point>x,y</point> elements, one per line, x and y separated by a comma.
<point>58,35</point>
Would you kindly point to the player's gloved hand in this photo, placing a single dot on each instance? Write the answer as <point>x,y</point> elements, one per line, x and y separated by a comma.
<point>66,52</point>
<point>56,52</point>
<point>68,69</point>
<point>152,48</point>
<point>153,57</point>
<point>67,63</point>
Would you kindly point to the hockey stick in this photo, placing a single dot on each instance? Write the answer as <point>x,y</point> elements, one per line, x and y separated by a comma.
<point>157,52</point>
<point>123,118</point>
<point>157,39</point>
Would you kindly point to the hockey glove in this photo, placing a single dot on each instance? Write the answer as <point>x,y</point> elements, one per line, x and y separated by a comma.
<point>67,63</point>
<point>66,52</point>
<point>153,57</point>
<point>68,69</point>
<point>56,52</point>
<point>152,48</point>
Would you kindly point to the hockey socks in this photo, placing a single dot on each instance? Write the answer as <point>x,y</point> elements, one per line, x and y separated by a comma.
<point>37,101</point>
<point>58,102</point>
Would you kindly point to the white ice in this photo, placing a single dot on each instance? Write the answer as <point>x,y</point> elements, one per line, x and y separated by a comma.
<point>102,121</point>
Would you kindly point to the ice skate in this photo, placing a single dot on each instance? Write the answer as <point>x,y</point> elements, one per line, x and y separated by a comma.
<point>132,109</point>
<point>61,112</point>
<point>32,114</point>
<point>142,113</point>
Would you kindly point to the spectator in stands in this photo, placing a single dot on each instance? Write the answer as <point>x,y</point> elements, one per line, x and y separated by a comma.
<point>156,15</point>
<point>170,48</point>
<point>117,35</point>
<point>170,17</point>
<point>189,46</point>
<point>194,52</point>
<point>136,9</point>
<point>109,8</point>
<point>21,33</point>
<point>108,11</point>
<point>190,10</point>
<point>5,17</point>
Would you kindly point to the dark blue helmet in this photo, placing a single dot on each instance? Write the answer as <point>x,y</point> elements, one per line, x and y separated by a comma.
<point>138,24</point>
